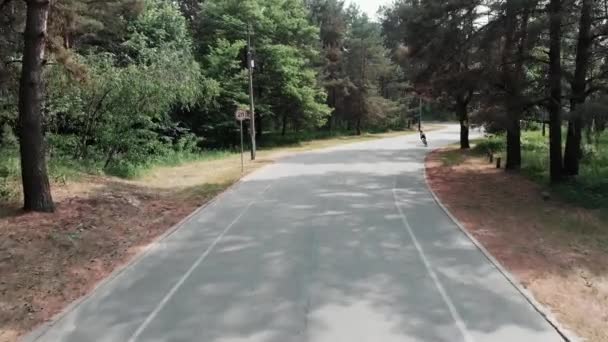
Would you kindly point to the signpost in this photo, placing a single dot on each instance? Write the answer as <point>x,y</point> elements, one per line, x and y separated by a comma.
<point>241,115</point>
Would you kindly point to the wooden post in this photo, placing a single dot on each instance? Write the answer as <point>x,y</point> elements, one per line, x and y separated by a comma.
<point>498,160</point>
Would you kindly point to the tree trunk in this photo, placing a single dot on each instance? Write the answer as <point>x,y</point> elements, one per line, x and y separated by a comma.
<point>258,127</point>
<point>572,155</point>
<point>36,187</point>
<point>511,77</point>
<point>555,87</point>
<point>544,128</point>
<point>284,129</point>
<point>333,107</point>
<point>109,158</point>
<point>463,118</point>
<point>513,143</point>
<point>464,135</point>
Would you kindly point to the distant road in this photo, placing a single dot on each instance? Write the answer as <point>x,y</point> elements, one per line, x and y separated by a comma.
<point>340,245</point>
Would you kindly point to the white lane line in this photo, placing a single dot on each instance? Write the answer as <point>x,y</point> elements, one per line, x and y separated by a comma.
<point>186,275</point>
<point>444,295</point>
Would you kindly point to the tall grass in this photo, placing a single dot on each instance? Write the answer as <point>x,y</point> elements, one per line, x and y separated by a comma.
<point>63,167</point>
<point>129,170</point>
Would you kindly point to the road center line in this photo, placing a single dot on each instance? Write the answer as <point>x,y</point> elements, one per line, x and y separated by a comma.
<point>186,275</point>
<point>427,264</point>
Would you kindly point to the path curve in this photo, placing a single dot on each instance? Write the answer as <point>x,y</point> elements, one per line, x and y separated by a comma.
<point>345,244</point>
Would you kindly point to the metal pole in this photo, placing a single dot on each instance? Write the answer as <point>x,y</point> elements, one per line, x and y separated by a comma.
<point>420,115</point>
<point>251,105</point>
<point>242,162</point>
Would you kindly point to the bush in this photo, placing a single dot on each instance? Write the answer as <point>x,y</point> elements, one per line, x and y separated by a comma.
<point>9,172</point>
<point>534,141</point>
<point>124,169</point>
<point>8,139</point>
<point>491,144</point>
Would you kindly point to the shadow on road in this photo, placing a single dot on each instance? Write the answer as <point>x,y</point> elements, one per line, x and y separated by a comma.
<point>323,255</point>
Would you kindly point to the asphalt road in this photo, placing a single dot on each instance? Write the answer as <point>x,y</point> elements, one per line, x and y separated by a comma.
<point>340,245</point>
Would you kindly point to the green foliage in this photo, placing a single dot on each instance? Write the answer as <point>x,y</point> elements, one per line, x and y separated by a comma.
<point>372,80</point>
<point>132,84</point>
<point>491,144</point>
<point>589,189</point>
<point>7,137</point>
<point>9,171</point>
<point>118,113</point>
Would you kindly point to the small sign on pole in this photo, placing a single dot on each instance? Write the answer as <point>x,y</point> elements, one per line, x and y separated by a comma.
<point>241,115</point>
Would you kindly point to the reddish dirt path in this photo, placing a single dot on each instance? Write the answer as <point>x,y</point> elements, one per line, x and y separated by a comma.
<point>558,251</point>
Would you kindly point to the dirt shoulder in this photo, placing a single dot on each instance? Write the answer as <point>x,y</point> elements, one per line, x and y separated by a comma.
<point>49,260</point>
<point>558,251</point>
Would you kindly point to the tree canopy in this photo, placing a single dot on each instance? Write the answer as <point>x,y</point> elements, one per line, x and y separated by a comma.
<point>126,82</point>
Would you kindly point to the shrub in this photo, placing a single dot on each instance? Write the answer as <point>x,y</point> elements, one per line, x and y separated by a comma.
<point>492,144</point>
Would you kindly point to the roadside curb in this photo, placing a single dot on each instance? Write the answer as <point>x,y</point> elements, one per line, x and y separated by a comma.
<point>38,332</point>
<point>546,312</point>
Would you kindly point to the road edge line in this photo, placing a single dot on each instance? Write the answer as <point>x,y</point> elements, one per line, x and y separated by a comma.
<point>460,323</point>
<point>544,311</point>
<point>38,332</point>
<point>169,295</point>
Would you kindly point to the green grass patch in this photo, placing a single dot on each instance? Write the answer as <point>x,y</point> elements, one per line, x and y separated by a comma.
<point>63,168</point>
<point>130,170</point>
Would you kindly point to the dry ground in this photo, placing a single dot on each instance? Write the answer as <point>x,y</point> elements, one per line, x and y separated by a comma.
<point>50,260</point>
<point>558,251</point>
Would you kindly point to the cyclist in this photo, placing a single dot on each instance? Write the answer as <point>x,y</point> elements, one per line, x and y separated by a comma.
<point>423,137</point>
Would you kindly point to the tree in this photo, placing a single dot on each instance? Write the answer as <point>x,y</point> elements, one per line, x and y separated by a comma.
<point>572,154</point>
<point>515,35</point>
<point>366,60</point>
<point>119,111</point>
<point>36,187</point>
<point>330,16</point>
<point>12,15</point>
<point>285,45</point>
<point>435,42</point>
<point>555,88</point>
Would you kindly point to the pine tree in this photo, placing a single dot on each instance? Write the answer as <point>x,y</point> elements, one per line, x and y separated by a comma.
<point>36,188</point>
<point>435,43</point>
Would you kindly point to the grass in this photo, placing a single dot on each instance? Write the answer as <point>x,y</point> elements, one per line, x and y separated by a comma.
<point>589,189</point>
<point>129,170</point>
